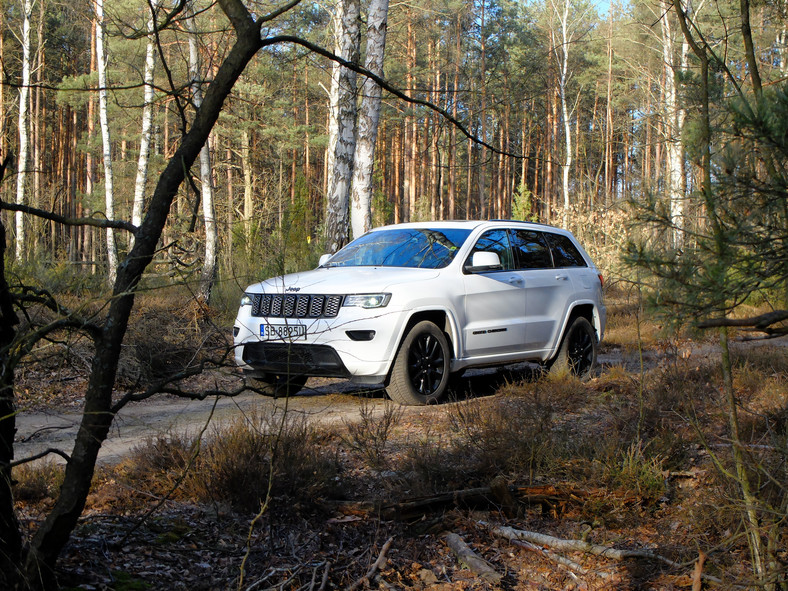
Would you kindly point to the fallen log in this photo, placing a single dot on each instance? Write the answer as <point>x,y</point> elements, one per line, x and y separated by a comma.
<point>512,534</point>
<point>760,323</point>
<point>472,561</point>
<point>550,499</point>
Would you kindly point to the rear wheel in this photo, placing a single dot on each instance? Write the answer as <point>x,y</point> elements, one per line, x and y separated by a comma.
<point>420,373</point>
<point>578,351</point>
<point>278,386</point>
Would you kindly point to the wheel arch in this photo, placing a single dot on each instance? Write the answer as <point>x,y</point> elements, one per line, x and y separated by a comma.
<point>585,310</point>
<point>439,317</point>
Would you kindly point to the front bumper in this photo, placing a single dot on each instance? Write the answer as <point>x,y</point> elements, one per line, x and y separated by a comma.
<point>357,344</point>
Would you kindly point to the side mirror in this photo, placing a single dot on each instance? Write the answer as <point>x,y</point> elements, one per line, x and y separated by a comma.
<point>485,261</point>
<point>323,259</point>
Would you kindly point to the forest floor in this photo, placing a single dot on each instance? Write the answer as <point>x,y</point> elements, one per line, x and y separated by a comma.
<point>414,498</point>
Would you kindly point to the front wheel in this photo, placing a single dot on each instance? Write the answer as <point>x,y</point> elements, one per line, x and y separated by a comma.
<point>278,386</point>
<point>578,351</point>
<point>420,373</point>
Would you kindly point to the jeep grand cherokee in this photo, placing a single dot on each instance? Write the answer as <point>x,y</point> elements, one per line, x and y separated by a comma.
<point>408,305</point>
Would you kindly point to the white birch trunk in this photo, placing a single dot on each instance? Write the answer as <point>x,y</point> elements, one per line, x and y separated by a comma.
<point>24,131</point>
<point>562,54</point>
<point>147,122</point>
<point>248,189</point>
<point>782,51</point>
<point>106,142</point>
<point>208,274</point>
<point>368,118</point>
<point>342,123</point>
<point>674,121</point>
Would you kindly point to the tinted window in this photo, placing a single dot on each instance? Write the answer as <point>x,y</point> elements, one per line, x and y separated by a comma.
<point>424,248</point>
<point>530,250</point>
<point>565,253</point>
<point>494,241</point>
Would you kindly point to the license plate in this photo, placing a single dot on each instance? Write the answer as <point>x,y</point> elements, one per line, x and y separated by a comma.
<point>282,332</point>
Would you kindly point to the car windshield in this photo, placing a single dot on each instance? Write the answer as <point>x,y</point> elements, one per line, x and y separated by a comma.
<point>424,248</point>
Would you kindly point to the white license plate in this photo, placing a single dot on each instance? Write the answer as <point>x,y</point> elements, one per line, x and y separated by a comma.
<point>282,332</point>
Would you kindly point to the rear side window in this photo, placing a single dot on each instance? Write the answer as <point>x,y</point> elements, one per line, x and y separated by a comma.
<point>494,241</point>
<point>565,253</point>
<point>530,250</point>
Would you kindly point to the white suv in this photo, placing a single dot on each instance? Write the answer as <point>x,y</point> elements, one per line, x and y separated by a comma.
<point>410,304</point>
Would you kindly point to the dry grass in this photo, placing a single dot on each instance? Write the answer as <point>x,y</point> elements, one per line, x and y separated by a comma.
<point>239,464</point>
<point>36,483</point>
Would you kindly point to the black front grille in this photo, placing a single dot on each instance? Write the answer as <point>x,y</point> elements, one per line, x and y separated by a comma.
<point>296,306</point>
<point>286,359</point>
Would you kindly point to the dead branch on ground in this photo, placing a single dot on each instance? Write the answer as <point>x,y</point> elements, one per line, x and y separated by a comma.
<point>468,558</point>
<point>377,565</point>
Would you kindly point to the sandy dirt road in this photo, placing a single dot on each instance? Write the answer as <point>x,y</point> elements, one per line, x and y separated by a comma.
<point>39,431</point>
<point>325,401</point>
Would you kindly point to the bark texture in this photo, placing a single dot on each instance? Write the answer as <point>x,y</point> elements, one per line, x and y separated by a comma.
<point>97,418</point>
<point>342,124</point>
<point>368,118</point>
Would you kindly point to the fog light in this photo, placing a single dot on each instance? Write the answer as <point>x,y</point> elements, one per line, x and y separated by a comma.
<point>360,335</point>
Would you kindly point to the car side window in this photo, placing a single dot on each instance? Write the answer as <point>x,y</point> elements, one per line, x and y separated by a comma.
<point>530,250</point>
<point>494,241</point>
<point>565,253</point>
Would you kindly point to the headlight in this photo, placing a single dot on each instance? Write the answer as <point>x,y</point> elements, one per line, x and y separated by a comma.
<point>246,299</point>
<point>367,300</point>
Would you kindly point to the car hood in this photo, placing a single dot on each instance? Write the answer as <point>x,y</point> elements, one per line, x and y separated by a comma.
<point>342,280</point>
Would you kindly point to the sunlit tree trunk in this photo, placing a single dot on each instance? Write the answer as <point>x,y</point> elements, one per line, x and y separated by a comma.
<point>246,167</point>
<point>368,117</point>
<point>147,120</point>
<point>453,133</point>
<point>106,142</point>
<point>342,138</point>
<point>24,130</point>
<point>674,122</point>
<point>208,275</point>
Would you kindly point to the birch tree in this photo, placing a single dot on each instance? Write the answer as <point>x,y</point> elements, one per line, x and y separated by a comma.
<point>106,141</point>
<point>562,55</point>
<point>208,274</point>
<point>368,117</point>
<point>674,117</point>
<point>147,118</point>
<point>342,123</point>
<point>24,129</point>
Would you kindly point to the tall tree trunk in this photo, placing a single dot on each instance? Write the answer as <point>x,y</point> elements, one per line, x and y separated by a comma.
<point>99,412</point>
<point>147,120</point>
<point>609,112</point>
<point>208,274</point>
<point>482,179</point>
<point>562,57</point>
<point>342,133</point>
<point>106,141</point>
<point>248,209</point>
<point>368,117</point>
<point>10,532</point>
<point>453,133</point>
<point>24,130</point>
<point>674,150</point>
<point>39,129</point>
<point>90,167</point>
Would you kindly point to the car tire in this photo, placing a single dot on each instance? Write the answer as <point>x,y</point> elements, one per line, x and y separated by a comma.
<point>578,351</point>
<point>420,374</point>
<point>278,386</point>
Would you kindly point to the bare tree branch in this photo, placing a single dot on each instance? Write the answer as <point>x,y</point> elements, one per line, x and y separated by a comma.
<point>40,455</point>
<point>67,221</point>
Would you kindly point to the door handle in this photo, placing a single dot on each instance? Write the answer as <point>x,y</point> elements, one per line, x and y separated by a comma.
<point>561,277</point>
<point>515,280</point>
